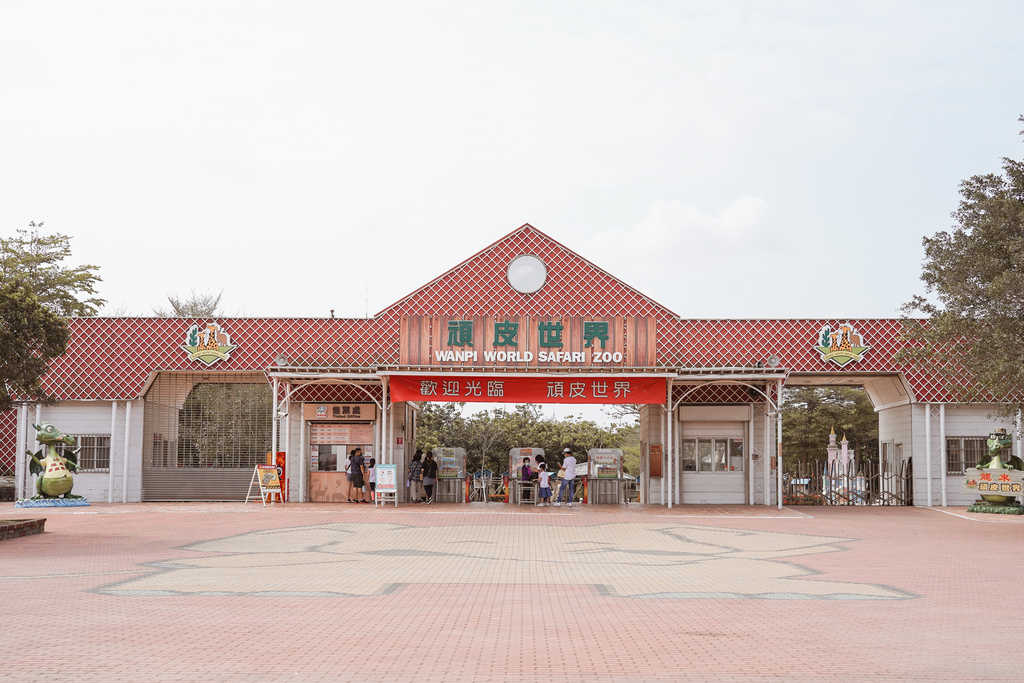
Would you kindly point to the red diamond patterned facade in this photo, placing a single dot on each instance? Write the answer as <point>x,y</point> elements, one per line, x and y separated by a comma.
<point>113,358</point>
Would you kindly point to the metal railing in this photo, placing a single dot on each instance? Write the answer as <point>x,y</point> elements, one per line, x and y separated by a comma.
<point>864,483</point>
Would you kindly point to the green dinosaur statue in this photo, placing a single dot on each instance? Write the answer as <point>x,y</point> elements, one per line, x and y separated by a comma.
<point>997,442</point>
<point>54,471</point>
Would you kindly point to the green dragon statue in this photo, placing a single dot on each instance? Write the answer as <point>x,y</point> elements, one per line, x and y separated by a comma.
<point>55,471</point>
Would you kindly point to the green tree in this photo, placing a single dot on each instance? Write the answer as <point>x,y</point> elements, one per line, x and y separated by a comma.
<point>37,261</point>
<point>808,416</point>
<point>488,435</point>
<point>31,335</point>
<point>975,274</point>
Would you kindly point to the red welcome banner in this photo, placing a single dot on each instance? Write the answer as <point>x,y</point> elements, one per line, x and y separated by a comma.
<point>504,389</point>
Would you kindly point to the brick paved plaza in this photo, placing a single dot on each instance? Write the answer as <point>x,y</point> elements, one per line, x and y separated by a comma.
<point>490,592</point>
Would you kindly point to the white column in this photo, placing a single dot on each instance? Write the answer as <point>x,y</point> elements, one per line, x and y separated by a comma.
<point>287,430</point>
<point>1019,446</point>
<point>21,458</point>
<point>127,444</point>
<point>274,421</point>
<point>670,472</point>
<point>766,436</point>
<point>928,448</point>
<point>303,465</point>
<point>942,449</point>
<point>664,456</point>
<point>748,458</point>
<point>391,437</point>
<point>778,449</point>
<point>385,447</point>
<point>113,444</point>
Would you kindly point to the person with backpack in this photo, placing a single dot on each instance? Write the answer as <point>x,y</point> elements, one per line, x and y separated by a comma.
<point>415,479</point>
<point>429,476</point>
<point>356,476</point>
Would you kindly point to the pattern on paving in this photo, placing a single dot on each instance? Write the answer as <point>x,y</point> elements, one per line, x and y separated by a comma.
<point>647,560</point>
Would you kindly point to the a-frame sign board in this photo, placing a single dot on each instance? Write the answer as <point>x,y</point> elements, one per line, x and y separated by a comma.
<point>265,478</point>
<point>387,485</point>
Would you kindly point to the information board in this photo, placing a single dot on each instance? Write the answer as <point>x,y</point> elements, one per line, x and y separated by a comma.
<point>338,434</point>
<point>387,485</point>
<point>387,478</point>
<point>450,462</point>
<point>605,463</point>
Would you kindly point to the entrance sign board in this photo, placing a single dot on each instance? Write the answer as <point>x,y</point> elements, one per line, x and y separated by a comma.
<point>527,341</point>
<point>339,412</point>
<point>510,389</point>
<point>993,481</point>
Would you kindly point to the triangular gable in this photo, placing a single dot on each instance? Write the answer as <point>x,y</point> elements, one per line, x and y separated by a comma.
<point>575,286</point>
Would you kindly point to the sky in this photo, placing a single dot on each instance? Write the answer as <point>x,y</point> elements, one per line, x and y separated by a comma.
<point>728,159</point>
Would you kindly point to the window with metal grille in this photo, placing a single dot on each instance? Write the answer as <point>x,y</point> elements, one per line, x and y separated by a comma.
<point>963,452</point>
<point>95,453</point>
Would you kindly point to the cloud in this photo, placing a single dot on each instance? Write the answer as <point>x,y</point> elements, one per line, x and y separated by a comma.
<point>671,224</point>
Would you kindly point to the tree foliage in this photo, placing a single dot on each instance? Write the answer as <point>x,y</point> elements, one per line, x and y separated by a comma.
<point>975,274</point>
<point>30,336</point>
<point>488,435</point>
<point>37,261</point>
<point>195,305</point>
<point>810,413</point>
<point>37,291</point>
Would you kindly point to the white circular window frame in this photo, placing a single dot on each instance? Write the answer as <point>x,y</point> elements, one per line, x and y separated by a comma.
<point>518,280</point>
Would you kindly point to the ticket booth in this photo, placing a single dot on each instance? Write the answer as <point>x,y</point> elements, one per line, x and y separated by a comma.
<point>335,431</point>
<point>451,468</point>
<point>604,475</point>
<point>522,491</point>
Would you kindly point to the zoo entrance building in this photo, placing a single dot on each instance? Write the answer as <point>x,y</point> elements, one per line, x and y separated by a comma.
<point>175,409</point>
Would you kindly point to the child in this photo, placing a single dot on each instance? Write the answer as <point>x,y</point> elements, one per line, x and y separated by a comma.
<point>372,480</point>
<point>544,477</point>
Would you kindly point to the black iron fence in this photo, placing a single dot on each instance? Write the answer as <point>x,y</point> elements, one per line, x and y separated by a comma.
<point>861,483</point>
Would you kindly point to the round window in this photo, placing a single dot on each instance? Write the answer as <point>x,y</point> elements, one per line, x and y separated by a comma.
<point>527,274</point>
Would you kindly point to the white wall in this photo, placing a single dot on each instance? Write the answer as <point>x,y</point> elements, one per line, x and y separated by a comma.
<point>94,417</point>
<point>961,420</point>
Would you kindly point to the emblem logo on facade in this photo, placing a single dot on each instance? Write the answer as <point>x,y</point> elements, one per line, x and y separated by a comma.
<point>841,344</point>
<point>208,345</point>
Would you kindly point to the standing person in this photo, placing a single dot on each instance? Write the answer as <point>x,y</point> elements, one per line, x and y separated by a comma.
<point>429,476</point>
<point>544,481</point>
<point>416,478</point>
<point>355,476</point>
<point>568,480</point>
<point>371,479</point>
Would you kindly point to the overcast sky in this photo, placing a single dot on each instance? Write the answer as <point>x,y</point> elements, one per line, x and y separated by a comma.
<point>729,159</point>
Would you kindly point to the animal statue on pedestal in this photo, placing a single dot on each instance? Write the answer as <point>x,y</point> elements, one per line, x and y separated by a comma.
<point>54,470</point>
